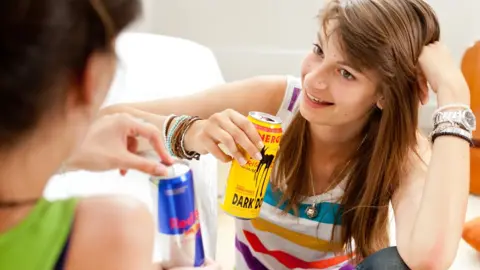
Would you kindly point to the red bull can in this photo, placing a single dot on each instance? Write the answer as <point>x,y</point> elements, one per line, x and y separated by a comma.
<point>178,224</point>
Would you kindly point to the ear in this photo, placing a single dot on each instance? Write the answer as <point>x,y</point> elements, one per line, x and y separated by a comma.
<point>423,88</point>
<point>380,102</point>
<point>96,80</point>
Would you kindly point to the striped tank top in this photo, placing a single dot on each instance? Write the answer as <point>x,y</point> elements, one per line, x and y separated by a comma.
<point>279,240</point>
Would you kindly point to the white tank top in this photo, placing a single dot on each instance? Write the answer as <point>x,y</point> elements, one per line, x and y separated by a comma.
<point>287,241</point>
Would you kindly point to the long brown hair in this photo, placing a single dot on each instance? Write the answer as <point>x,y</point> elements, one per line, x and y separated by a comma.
<point>387,37</point>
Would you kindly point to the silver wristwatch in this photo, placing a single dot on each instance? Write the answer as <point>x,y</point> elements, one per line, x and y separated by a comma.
<point>464,117</point>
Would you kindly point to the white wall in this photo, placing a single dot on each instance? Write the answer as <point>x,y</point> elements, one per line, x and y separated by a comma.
<point>249,37</point>
<point>252,37</point>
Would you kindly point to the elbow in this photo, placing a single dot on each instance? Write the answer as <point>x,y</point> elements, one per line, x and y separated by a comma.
<point>422,258</point>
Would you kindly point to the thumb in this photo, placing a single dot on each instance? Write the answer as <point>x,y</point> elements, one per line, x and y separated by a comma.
<point>143,164</point>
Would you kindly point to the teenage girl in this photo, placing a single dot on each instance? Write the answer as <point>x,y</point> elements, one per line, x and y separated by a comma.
<point>351,144</point>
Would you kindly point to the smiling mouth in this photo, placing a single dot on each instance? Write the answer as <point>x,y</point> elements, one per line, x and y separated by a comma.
<point>318,101</point>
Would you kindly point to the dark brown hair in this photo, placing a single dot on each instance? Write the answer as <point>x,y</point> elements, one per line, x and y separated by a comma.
<point>387,37</point>
<point>45,46</point>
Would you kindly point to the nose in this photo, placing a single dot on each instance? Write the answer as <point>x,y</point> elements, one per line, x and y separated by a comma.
<point>318,77</point>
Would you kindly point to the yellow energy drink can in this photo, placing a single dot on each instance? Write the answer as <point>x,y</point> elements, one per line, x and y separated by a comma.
<point>246,185</point>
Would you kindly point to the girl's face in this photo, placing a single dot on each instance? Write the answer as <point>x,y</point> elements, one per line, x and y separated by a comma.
<point>335,93</point>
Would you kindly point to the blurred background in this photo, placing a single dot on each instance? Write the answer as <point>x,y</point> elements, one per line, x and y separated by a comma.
<point>252,37</point>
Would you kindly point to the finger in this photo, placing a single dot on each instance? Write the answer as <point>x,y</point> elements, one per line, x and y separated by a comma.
<point>248,127</point>
<point>242,139</point>
<point>226,139</point>
<point>132,161</point>
<point>153,135</point>
<point>213,149</point>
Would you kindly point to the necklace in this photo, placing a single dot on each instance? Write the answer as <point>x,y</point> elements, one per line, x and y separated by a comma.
<point>311,210</point>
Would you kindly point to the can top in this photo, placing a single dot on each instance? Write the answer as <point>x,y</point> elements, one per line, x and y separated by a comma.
<point>177,169</point>
<point>266,118</point>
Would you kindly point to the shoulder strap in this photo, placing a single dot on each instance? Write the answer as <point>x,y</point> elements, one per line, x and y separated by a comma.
<point>290,100</point>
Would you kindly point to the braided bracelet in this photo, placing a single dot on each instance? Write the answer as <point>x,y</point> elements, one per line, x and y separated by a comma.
<point>452,131</point>
<point>189,154</point>
<point>175,128</point>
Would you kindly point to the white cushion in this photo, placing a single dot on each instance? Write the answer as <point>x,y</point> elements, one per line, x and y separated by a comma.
<point>152,66</point>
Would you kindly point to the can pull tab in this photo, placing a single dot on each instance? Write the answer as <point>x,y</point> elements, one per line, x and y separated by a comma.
<point>267,119</point>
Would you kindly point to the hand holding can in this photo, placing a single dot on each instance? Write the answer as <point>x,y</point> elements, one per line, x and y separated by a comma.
<point>228,128</point>
<point>247,183</point>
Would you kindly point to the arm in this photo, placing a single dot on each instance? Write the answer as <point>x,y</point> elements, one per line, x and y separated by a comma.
<point>429,214</point>
<point>256,94</point>
<point>111,233</point>
<point>431,203</point>
<point>260,93</point>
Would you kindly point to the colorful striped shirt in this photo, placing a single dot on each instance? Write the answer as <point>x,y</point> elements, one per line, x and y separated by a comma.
<point>279,240</point>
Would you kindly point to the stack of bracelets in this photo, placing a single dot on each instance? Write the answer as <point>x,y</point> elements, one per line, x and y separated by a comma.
<point>174,129</point>
<point>453,120</point>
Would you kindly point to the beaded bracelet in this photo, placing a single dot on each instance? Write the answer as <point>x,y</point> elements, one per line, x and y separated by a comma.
<point>166,125</point>
<point>169,141</point>
<point>175,128</point>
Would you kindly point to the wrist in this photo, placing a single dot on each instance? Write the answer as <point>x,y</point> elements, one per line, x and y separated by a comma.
<point>190,134</point>
<point>453,94</point>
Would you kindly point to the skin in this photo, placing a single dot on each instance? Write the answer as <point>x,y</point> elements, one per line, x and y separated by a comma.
<point>429,207</point>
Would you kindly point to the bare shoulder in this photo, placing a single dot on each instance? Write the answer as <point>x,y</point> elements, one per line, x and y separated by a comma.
<point>111,232</point>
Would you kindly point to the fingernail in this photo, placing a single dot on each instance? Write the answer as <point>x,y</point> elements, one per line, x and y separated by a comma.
<point>159,170</point>
<point>260,145</point>
<point>242,161</point>
<point>258,156</point>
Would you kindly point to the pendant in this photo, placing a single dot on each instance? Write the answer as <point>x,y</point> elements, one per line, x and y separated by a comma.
<point>311,211</point>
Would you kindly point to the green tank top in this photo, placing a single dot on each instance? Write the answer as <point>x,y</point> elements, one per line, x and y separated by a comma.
<point>38,240</point>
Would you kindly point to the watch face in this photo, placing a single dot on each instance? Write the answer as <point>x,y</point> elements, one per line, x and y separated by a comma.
<point>469,119</point>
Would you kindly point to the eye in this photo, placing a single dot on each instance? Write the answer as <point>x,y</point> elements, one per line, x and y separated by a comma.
<point>347,75</point>
<point>317,50</point>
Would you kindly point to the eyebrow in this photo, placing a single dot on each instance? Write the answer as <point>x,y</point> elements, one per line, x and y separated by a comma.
<point>343,63</point>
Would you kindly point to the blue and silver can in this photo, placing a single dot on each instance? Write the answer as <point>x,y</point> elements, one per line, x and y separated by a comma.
<point>178,224</point>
